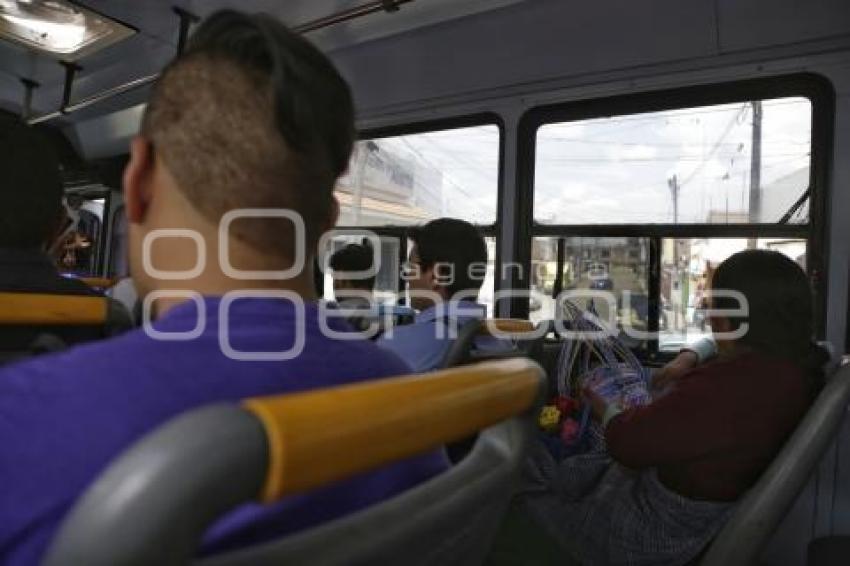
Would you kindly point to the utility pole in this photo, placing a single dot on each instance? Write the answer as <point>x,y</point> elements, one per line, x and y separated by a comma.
<point>673,183</point>
<point>755,170</point>
<point>362,157</point>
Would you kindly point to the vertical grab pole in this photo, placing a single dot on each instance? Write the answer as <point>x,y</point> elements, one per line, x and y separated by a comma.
<point>186,21</point>
<point>71,70</point>
<point>29,90</point>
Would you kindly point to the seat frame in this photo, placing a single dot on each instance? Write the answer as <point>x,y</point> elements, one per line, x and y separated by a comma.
<point>759,513</point>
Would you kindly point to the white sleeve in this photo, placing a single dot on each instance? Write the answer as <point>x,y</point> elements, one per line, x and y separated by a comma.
<point>704,348</point>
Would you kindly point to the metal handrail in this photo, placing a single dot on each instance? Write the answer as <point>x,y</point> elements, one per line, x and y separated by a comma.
<point>320,23</point>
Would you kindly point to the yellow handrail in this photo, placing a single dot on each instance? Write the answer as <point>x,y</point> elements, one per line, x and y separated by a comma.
<point>51,310</point>
<point>322,436</point>
<point>501,326</point>
<point>99,282</point>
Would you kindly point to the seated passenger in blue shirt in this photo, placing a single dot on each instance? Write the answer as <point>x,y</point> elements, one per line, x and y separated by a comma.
<point>447,265</point>
<point>251,116</point>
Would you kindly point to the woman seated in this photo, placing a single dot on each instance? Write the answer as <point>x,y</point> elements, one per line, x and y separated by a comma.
<point>664,480</point>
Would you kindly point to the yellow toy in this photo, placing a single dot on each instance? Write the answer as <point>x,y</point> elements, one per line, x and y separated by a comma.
<point>550,418</point>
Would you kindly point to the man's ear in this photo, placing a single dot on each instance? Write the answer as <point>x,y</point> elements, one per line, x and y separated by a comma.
<point>432,277</point>
<point>137,179</point>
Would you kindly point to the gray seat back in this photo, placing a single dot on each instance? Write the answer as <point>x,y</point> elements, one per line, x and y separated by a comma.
<point>765,505</point>
<point>155,502</point>
<point>458,352</point>
<point>450,520</point>
<point>526,342</point>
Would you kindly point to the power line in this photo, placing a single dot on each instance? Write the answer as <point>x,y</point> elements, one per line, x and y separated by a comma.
<point>655,144</point>
<point>416,152</point>
<point>741,113</point>
<point>661,159</point>
<point>666,114</point>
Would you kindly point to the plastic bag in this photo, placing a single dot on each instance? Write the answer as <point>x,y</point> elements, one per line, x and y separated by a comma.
<point>598,361</point>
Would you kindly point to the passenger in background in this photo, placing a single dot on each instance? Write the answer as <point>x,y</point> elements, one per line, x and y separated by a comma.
<point>664,482</point>
<point>250,116</point>
<point>125,293</point>
<point>31,218</point>
<point>352,293</point>
<point>31,213</point>
<point>448,263</point>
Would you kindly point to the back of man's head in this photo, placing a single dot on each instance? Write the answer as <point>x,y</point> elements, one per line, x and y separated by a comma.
<point>457,245</point>
<point>353,258</point>
<point>30,187</point>
<point>252,115</point>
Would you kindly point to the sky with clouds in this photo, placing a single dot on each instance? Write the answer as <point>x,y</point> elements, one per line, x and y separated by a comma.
<point>616,170</point>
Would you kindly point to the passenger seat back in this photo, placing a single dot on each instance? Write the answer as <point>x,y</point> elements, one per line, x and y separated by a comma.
<point>154,503</point>
<point>32,323</point>
<point>527,337</point>
<point>764,506</point>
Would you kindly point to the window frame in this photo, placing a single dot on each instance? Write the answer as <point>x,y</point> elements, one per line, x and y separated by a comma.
<point>90,193</point>
<point>814,87</point>
<point>118,215</point>
<point>428,126</point>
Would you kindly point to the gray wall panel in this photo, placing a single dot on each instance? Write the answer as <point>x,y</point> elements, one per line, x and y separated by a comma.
<point>528,42</point>
<point>748,24</point>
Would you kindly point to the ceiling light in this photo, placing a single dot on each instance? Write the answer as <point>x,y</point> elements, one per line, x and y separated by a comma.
<point>58,27</point>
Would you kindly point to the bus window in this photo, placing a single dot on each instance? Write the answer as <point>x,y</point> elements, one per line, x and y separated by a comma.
<point>120,264</point>
<point>485,297</point>
<point>411,179</point>
<point>686,166</point>
<point>590,266</point>
<point>79,253</point>
<point>686,268</point>
<point>649,201</point>
<point>389,287</point>
<point>397,181</point>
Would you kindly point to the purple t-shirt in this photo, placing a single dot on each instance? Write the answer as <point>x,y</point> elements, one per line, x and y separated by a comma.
<point>64,417</point>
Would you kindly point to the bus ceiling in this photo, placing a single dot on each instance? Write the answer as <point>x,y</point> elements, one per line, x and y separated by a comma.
<point>49,47</point>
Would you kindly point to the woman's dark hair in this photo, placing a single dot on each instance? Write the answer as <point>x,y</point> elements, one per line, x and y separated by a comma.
<point>780,317</point>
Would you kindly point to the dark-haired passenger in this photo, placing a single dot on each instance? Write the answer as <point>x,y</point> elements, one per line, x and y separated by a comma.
<point>669,473</point>
<point>250,116</point>
<point>352,293</point>
<point>31,213</point>
<point>355,295</point>
<point>31,216</point>
<point>448,262</point>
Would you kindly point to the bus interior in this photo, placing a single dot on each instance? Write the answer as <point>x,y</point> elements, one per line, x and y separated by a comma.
<point>613,146</point>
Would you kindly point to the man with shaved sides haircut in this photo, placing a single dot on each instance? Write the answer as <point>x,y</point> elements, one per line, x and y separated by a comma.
<point>251,116</point>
